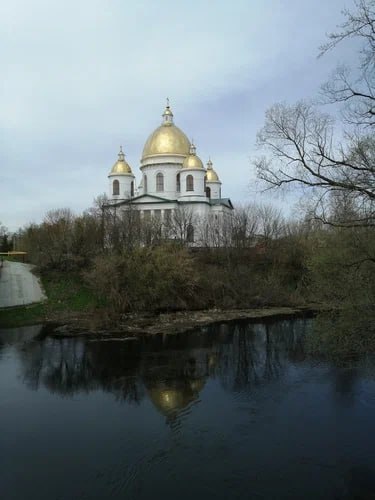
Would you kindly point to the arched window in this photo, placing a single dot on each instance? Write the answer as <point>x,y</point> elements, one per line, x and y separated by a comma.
<point>178,183</point>
<point>145,183</point>
<point>132,188</point>
<point>208,192</point>
<point>159,182</point>
<point>115,187</point>
<point>189,183</point>
<point>190,234</point>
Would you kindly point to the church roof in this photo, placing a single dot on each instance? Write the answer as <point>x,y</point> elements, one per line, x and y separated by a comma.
<point>121,166</point>
<point>222,201</point>
<point>166,139</point>
<point>211,174</point>
<point>192,161</point>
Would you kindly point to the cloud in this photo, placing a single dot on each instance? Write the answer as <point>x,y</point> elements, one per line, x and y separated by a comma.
<point>81,77</point>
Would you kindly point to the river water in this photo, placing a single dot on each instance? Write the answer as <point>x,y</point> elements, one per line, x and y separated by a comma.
<point>226,412</point>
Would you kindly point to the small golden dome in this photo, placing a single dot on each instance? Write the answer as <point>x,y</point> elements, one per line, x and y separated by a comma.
<point>192,161</point>
<point>166,139</point>
<point>211,175</point>
<point>121,166</point>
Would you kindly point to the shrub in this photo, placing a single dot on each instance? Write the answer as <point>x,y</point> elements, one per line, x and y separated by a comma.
<point>152,279</point>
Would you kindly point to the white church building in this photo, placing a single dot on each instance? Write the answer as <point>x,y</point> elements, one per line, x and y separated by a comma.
<point>172,176</point>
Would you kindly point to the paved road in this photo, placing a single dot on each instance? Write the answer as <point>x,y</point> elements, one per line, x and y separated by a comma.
<point>18,285</point>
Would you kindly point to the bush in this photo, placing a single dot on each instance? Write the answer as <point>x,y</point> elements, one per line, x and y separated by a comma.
<point>152,279</point>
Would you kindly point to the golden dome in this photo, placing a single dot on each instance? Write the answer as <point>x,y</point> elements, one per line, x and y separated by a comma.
<point>192,161</point>
<point>166,139</point>
<point>211,175</point>
<point>121,166</point>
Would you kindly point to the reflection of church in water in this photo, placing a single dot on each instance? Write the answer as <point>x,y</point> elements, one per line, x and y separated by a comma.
<point>173,177</point>
<point>171,371</point>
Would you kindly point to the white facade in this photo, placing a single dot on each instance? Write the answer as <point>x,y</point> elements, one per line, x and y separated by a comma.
<point>173,178</point>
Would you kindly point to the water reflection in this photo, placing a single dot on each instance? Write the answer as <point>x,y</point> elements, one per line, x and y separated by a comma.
<point>170,370</point>
<point>230,411</point>
<point>21,334</point>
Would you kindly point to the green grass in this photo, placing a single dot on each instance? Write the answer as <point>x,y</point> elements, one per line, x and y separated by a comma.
<point>19,316</point>
<point>13,258</point>
<point>66,294</point>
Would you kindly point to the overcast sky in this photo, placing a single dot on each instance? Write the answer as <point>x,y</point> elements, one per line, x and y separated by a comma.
<point>79,78</point>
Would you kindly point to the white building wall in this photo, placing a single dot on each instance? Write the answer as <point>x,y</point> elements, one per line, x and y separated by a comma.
<point>125,181</point>
<point>215,187</point>
<point>169,166</point>
<point>199,191</point>
<point>169,173</point>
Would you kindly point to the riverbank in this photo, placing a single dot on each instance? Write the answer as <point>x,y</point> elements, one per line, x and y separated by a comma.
<point>71,309</point>
<point>75,308</point>
<point>134,325</point>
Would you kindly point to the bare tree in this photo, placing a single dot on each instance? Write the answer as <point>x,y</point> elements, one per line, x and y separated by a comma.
<point>245,225</point>
<point>5,240</point>
<point>301,146</point>
<point>181,220</point>
<point>357,93</point>
<point>271,224</point>
<point>214,231</point>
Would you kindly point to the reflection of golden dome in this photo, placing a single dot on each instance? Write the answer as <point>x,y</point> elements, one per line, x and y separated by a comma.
<point>192,161</point>
<point>166,139</point>
<point>121,166</point>
<point>167,400</point>
<point>211,175</point>
<point>173,397</point>
<point>197,384</point>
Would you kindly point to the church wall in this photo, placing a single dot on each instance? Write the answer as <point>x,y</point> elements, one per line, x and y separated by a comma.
<point>215,190</point>
<point>124,188</point>
<point>169,172</point>
<point>198,210</point>
<point>199,191</point>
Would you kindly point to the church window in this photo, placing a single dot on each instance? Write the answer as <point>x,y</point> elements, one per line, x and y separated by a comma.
<point>190,234</point>
<point>145,183</point>
<point>159,182</point>
<point>132,188</point>
<point>208,192</point>
<point>116,187</point>
<point>189,183</point>
<point>178,183</point>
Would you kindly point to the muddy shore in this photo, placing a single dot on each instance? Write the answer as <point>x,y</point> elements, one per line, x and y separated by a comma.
<point>133,325</point>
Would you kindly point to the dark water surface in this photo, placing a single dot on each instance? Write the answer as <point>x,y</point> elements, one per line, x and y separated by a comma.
<point>232,411</point>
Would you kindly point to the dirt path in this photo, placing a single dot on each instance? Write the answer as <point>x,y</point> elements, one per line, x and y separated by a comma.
<point>18,285</point>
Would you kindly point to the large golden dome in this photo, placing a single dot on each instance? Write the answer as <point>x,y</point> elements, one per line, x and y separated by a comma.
<point>166,139</point>
<point>192,161</point>
<point>121,166</point>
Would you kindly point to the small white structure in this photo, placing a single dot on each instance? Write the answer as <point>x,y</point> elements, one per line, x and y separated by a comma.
<point>173,176</point>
